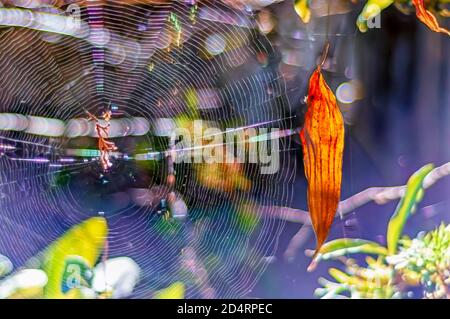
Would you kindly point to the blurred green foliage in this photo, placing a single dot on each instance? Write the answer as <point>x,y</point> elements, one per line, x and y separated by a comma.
<point>373,8</point>
<point>423,261</point>
<point>174,291</point>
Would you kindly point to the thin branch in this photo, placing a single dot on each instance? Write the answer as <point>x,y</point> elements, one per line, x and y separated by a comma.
<point>379,195</point>
<point>297,241</point>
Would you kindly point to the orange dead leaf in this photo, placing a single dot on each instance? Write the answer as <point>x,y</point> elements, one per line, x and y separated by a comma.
<point>427,17</point>
<point>322,139</point>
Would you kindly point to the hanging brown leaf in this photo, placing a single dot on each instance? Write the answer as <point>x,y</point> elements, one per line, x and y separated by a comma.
<point>322,139</point>
<point>427,17</point>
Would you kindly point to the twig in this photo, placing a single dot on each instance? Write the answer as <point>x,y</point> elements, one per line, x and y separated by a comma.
<point>380,195</point>
<point>297,241</point>
<point>91,116</point>
<point>324,54</point>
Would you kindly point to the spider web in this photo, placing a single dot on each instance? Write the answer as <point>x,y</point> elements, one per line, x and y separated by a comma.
<point>142,59</point>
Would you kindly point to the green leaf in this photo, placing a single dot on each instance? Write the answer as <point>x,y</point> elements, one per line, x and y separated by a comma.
<point>174,291</point>
<point>370,11</point>
<point>341,276</point>
<point>247,218</point>
<point>76,274</point>
<point>343,246</point>
<point>302,9</point>
<point>6,266</point>
<point>406,206</point>
<point>85,240</point>
<point>330,293</point>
